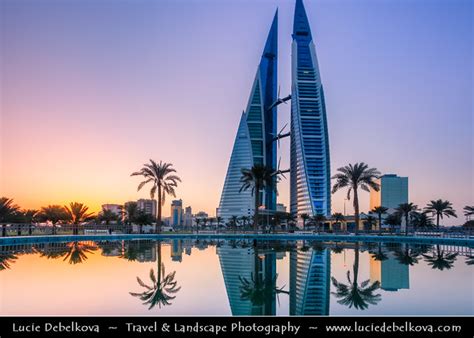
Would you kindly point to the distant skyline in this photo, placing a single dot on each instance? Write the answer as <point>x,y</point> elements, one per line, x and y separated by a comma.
<point>91,90</point>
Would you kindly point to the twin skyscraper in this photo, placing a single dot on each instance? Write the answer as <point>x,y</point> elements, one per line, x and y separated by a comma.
<point>257,137</point>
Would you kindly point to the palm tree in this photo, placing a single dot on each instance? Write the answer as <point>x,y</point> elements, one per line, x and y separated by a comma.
<point>53,214</point>
<point>219,221</point>
<point>131,210</point>
<point>393,220</point>
<point>369,222</point>
<point>142,218</point>
<point>234,221</point>
<point>257,178</point>
<point>353,294</point>
<point>29,216</point>
<point>439,260</point>
<point>7,210</point>
<point>77,213</point>
<point>164,183</point>
<point>353,177</point>
<point>338,219</point>
<point>163,287</point>
<point>319,219</point>
<point>405,209</point>
<point>304,217</point>
<point>468,211</point>
<point>107,215</point>
<point>380,211</point>
<point>421,220</point>
<point>440,208</point>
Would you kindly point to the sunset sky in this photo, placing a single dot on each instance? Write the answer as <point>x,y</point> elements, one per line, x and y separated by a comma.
<point>90,90</point>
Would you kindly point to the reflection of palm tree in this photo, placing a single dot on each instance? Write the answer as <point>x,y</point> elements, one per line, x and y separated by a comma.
<point>407,256</point>
<point>470,260</point>
<point>439,260</point>
<point>259,290</point>
<point>78,252</point>
<point>359,296</point>
<point>163,286</point>
<point>379,255</point>
<point>6,259</point>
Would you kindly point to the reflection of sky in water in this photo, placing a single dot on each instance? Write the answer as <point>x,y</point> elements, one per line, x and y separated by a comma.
<point>86,279</point>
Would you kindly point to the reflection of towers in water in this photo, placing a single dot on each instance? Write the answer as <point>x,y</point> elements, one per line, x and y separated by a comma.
<point>391,274</point>
<point>176,250</point>
<point>239,264</point>
<point>310,272</point>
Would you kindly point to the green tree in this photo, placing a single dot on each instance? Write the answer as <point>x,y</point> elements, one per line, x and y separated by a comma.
<point>305,218</point>
<point>379,255</point>
<point>338,219</point>
<point>8,210</point>
<point>256,179</point>
<point>468,211</point>
<point>107,216</point>
<point>354,177</point>
<point>440,208</point>
<point>142,218</point>
<point>393,220</point>
<point>77,213</point>
<point>219,221</point>
<point>353,294</point>
<point>53,214</point>
<point>163,286</point>
<point>164,181</point>
<point>421,220</point>
<point>319,219</point>
<point>380,211</point>
<point>404,210</point>
<point>369,222</point>
<point>131,211</point>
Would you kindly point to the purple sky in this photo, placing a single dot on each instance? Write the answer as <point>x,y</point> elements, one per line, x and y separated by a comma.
<point>90,90</point>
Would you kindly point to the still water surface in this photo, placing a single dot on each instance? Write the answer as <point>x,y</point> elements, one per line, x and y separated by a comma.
<point>244,277</point>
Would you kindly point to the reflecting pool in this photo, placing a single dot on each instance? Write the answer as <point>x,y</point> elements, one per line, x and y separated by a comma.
<point>235,277</point>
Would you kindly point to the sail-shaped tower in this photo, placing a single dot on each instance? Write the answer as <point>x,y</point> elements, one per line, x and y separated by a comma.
<point>310,185</point>
<point>254,141</point>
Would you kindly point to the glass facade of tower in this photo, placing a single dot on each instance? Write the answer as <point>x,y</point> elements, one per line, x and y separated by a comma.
<point>310,190</point>
<point>254,144</point>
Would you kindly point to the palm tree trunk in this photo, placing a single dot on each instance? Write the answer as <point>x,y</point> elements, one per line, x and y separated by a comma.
<point>158,218</point>
<point>437,221</point>
<point>4,230</point>
<point>356,210</point>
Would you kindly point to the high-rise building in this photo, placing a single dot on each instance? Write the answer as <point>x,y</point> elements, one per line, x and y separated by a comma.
<point>310,185</point>
<point>148,206</point>
<point>176,213</point>
<point>310,273</point>
<point>188,217</point>
<point>254,143</point>
<point>393,192</point>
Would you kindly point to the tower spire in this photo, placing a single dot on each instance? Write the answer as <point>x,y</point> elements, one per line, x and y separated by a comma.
<point>301,24</point>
